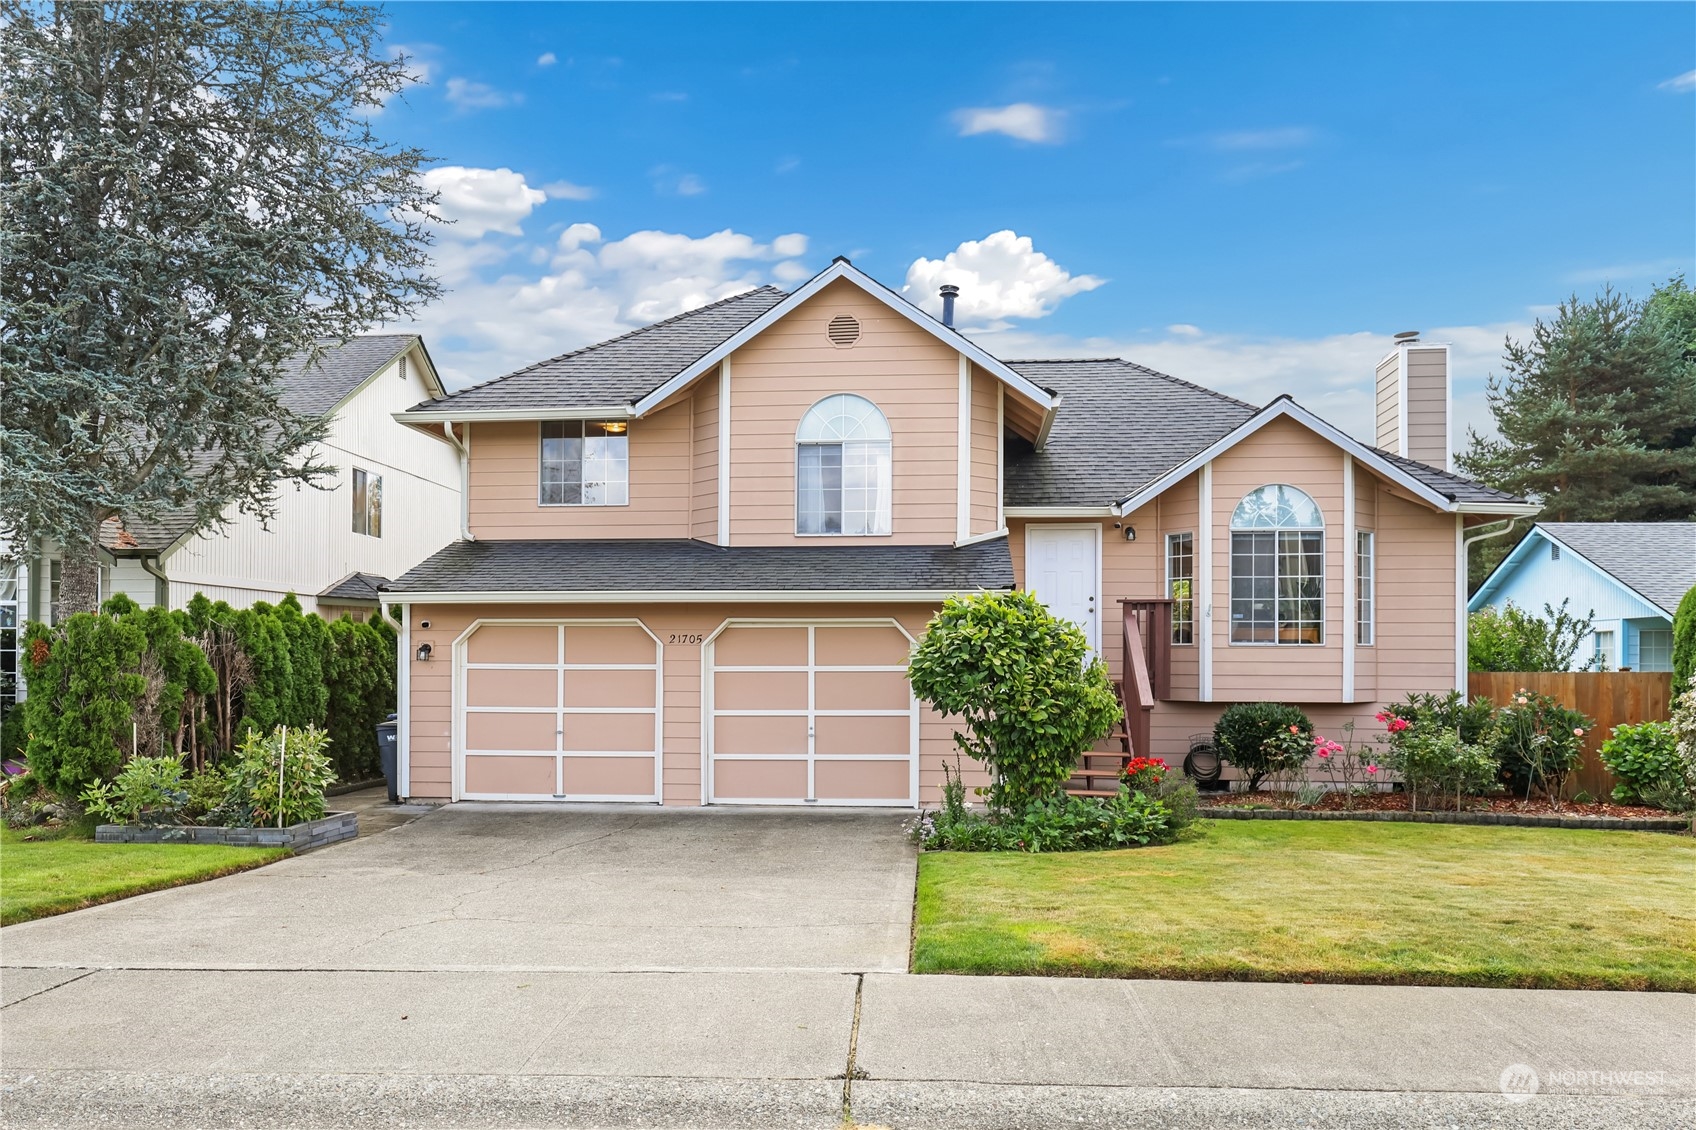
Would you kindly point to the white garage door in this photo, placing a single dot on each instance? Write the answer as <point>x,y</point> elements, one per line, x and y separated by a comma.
<point>558,710</point>
<point>810,713</point>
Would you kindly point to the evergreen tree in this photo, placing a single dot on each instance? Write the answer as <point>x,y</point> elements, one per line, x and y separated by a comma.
<point>190,194</point>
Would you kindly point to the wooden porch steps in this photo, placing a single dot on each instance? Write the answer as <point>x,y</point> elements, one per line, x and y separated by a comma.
<point>1144,678</point>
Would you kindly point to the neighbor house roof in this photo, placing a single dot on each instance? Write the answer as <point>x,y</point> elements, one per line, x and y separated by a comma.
<point>356,587</point>
<point>1656,560</point>
<point>681,569</point>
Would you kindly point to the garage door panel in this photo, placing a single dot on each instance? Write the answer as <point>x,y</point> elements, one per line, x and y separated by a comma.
<point>862,780</point>
<point>512,688</point>
<point>861,690</point>
<point>609,688</point>
<point>514,643</point>
<point>495,730</point>
<point>863,734</point>
<point>759,780</point>
<point>609,776</point>
<point>609,732</point>
<point>760,690</point>
<point>609,643</point>
<point>761,647</point>
<point>741,734</point>
<point>510,776</point>
<point>859,645</point>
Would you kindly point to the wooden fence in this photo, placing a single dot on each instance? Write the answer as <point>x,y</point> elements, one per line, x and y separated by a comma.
<point>1610,697</point>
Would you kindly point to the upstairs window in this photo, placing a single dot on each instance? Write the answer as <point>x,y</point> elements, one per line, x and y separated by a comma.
<point>842,468</point>
<point>585,463</point>
<point>1180,585</point>
<point>367,503</point>
<point>1277,568</point>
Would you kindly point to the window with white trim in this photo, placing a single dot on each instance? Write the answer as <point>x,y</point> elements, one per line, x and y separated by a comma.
<point>1602,650</point>
<point>367,503</point>
<point>585,463</point>
<point>11,628</point>
<point>1180,585</point>
<point>1277,568</point>
<point>842,468</point>
<point>1365,576</point>
<point>1654,650</point>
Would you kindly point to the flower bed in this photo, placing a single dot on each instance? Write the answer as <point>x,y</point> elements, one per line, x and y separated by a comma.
<point>329,829</point>
<point>1396,806</point>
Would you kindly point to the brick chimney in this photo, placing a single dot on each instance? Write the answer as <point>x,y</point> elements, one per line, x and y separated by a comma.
<point>1413,400</point>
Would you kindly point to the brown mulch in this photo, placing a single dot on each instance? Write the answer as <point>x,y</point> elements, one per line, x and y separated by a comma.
<point>1401,802</point>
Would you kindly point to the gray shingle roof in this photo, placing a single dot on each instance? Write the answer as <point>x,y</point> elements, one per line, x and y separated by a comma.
<point>316,390</point>
<point>1120,426</point>
<point>1450,486</point>
<point>1656,560</point>
<point>355,586</point>
<point>618,371</point>
<point>678,564</point>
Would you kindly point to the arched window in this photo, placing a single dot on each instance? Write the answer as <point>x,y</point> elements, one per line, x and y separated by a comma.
<point>842,468</point>
<point>1277,568</point>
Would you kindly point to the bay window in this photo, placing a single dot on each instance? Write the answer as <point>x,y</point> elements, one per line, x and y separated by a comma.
<point>1277,568</point>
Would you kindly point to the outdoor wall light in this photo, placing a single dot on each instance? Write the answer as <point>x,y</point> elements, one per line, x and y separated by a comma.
<point>423,653</point>
<point>1130,533</point>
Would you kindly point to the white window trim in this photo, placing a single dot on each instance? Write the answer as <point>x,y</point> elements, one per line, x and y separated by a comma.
<point>1194,606</point>
<point>800,443</point>
<point>541,438</point>
<point>1370,594</point>
<point>1324,572</point>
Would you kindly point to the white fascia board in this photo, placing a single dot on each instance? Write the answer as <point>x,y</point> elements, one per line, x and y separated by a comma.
<point>1279,409</point>
<point>1481,598</point>
<point>976,539</point>
<point>454,416</point>
<point>1059,511</point>
<point>680,596</point>
<point>1503,509</point>
<point>842,269</point>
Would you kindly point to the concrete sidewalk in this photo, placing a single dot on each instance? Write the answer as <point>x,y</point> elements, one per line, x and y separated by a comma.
<point>334,1048</point>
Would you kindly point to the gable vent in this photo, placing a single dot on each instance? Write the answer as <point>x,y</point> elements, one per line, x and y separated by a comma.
<point>844,330</point>
<point>1554,552</point>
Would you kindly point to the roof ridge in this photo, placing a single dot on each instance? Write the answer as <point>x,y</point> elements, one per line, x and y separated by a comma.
<point>592,346</point>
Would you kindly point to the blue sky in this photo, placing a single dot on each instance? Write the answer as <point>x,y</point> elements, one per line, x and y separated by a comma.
<point>1254,197</point>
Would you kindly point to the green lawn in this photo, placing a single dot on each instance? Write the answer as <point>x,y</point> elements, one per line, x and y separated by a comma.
<point>51,876</point>
<point>1411,904</point>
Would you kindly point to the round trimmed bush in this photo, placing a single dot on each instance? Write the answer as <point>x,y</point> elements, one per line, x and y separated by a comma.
<point>1255,737</point>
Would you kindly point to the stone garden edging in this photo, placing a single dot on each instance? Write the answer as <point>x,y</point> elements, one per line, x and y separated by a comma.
<point>1527,820</point>
<point>329,829</point>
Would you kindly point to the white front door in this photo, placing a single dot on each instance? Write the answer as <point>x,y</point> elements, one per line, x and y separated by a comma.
<point>1063,569</point>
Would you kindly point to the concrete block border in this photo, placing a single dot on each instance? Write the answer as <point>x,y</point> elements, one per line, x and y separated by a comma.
<point>1524,820</point>
<point>329,829</point>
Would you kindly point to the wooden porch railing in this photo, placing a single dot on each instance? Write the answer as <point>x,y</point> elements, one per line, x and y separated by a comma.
<point>1145,677</point>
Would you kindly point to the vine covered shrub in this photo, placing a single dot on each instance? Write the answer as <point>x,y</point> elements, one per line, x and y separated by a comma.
<point>1032,696</point>
<point>1263,738</point>
<point>1538,743</point>
<point>1645,759</point>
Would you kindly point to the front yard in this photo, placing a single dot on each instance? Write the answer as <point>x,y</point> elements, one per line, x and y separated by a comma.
<point>1408,904</point>
<point>50,876</point>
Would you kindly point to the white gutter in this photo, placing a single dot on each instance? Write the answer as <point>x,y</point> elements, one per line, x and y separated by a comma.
<point>678,596</point>
<point>1462,664</point>
<point>464,449</point>
<point>616,411</point>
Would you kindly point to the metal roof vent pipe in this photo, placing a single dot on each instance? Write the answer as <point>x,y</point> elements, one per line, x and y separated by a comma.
<point>949,293</point>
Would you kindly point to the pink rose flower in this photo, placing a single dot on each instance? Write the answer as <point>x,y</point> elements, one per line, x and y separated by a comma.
<point>1578,731</point>
<point>1372,768</point>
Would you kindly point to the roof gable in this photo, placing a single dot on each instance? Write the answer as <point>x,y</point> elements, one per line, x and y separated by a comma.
<point>343,369</point>
<point>1655,560</point>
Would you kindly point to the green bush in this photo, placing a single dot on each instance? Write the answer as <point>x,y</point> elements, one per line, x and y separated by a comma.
<point>1645,759</point>
<point>360,672</point>
<point>1435,761</point>
<point>1683,725</point>
<point>1263,738</point>
<point>1684,640</point>
<point>260,792</point>
<point>1451,711</point>
<point>1059,822</point>
<point>1032,696</point>
<point>84,687</point>
<point>1538,743</point>
<point>206,792</point>
<point>147,790</point>
<point>1511,639</point>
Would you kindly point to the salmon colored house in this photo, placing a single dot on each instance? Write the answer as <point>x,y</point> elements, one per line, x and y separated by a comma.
<point>694,558</point>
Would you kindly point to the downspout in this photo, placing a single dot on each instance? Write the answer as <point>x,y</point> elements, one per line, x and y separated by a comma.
<point>1463,660</point>
<point>161,583</point>
<point>464,477</point>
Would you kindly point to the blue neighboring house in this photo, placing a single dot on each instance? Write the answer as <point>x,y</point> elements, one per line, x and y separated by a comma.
<point>1629,575</point>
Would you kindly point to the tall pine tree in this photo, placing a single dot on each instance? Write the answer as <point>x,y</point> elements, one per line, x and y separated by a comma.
<point>190,193</point>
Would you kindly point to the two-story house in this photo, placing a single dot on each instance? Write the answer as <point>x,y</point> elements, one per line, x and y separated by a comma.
<point>695,557</point>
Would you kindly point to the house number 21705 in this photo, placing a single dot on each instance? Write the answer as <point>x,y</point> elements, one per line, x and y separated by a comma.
<point>684,637</point>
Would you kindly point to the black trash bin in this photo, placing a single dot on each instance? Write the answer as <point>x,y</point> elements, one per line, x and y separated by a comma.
<point>388,747</point>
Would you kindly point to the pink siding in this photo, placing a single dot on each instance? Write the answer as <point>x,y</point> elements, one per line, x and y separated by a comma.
<point>1178,511</point>
<point>910,375</point>
<point>704,522</point>
<point>986,453</point>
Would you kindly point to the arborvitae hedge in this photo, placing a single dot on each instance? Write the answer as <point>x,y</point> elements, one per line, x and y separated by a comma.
<point>1684,642</point>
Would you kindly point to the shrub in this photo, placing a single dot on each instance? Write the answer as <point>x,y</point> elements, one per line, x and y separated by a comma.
<point>1684,640</point>
<point>1451,711</point>
<point>359,668</point>
<point>1511,639</point>
<point>1436,761</point>
<point>1143,774</point>
<point>206,792</point>
<point>147,790</point>
<point>1058,822</point>
<point>1683,725</point>
<point>1032,696</point>
<point>84,685</point>
<point>1263,738</point>
<point>1645,759</point>
<point>1538,743</point>
<point>257,797</point>
<point>1351,768</point>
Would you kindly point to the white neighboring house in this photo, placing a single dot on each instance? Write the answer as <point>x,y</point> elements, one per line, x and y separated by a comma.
<point>393,501</point>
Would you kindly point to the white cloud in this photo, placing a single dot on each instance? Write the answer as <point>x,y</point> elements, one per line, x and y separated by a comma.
<point>1183,329</point>
<point>1001,276</point>
<point>546,59</point>
<point>1680,84</point>
<point>466,95</point>
<point>565,190</point>
<point>690,185</point>
<point>789,271</point>
<point>481,200</point>
<point>670,181</point>
<point>1024,121</point>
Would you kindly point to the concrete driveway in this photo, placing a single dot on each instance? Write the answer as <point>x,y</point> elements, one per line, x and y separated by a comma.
<point>531,888</point>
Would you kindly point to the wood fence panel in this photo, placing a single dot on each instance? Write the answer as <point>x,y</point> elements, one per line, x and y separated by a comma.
<point>1612,698</point>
